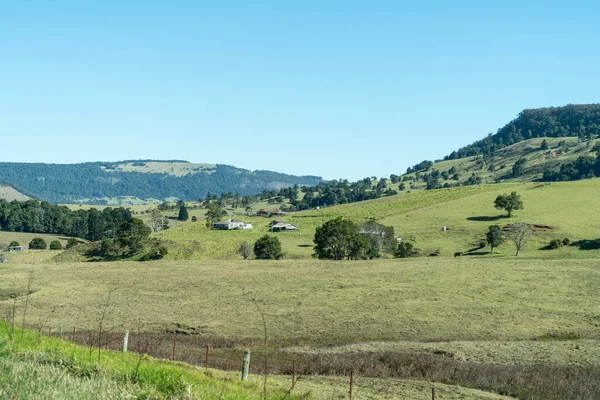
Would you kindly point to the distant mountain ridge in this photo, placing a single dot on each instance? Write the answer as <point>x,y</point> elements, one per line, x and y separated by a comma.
<point>95,182</point>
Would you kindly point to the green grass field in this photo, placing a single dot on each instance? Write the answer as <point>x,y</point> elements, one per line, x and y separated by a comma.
<point>471,311</point>
<point>567,209</point>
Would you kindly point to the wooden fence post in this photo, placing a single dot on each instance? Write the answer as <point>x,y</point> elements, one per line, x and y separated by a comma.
<point>293,374</point>
<point>206,361</point>
<point>351,381</point>
<point>246,365</point>
<point>125,341</point>
<point>432,393</point>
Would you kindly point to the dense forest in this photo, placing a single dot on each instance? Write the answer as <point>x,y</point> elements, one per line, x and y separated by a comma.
<point>571,120</point>
<point>74,183</point>
<point>35,217</point>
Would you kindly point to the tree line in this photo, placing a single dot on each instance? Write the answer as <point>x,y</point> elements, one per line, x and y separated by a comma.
<point>42,217</point>
<point>73,183</point>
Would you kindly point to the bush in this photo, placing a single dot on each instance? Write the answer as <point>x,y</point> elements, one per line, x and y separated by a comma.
<point>155,254</point>
<point>14,243</point>
<point>268,248</point>
<point>72,242</point>
<point>566,242</point>
<point>555,244</point>
<point>55,245</point>
<point>405,249</point>
<point>37,244</point>
<point>194,219</point>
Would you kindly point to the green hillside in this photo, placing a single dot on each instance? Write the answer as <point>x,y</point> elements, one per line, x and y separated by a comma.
<point>138,182</point>
<point>564,209</point>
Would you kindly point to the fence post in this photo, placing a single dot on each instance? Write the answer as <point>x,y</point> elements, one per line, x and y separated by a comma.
<point>174,344</point>
<point>73,338</point>
<point>432,393</point>
<point>351,381</point>
<point>293,374</point>
<point>146,344</point>
<point>125,341</point>
<point>246,365</point>
<point>206,361</point>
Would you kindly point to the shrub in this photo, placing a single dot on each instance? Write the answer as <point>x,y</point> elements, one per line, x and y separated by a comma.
<point>37,244</point>
<point>405,249</point>
<point>55,245</point>
<point>194,219</point>
<point>555,244</point>
<point>14,243</point>
<point>155,254</point>
<point>268,248</point>
<point>72,242</point>
<point>566,242</point>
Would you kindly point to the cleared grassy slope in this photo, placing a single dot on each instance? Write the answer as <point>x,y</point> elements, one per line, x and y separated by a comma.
<point>567,208</point>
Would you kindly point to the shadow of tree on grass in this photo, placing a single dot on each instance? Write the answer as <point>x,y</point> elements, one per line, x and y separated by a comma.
<point>486,218</point>
<point>587,244</point>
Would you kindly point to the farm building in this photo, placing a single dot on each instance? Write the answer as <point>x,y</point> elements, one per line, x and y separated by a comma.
<point>263,212</point>
<point>15,248</point>
<point>280,226</point>
<point>231,224</point>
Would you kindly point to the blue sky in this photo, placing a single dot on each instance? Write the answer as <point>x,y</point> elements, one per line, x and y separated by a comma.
<point>341,89</point>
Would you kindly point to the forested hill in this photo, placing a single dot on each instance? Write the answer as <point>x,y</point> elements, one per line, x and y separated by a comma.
<point>102,182</point>
<point>571,120</point>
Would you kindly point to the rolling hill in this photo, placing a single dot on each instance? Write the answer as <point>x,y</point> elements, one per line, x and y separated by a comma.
<point>138,182</point>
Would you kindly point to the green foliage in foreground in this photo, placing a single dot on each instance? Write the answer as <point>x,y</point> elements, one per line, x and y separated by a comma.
<point>35,366</point>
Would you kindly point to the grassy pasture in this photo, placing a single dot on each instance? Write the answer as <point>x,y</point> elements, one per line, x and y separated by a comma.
<point>326,302</point>
<point>568,208</point>
<point>9,194</point>
<point>499,323</point>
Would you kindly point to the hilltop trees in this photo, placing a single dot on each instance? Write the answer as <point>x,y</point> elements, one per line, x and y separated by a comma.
<point>494,237</point>
<point>268,247</point>
<point>509,203</point>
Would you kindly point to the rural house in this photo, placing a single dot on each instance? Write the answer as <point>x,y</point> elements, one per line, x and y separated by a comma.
<point>263,212</point>
<point>15,248</point>
<point>280,226</point>
<point>231,224</point>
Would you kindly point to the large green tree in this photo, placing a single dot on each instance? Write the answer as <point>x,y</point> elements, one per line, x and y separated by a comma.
<point>509,203</point>
<point>183,212</point>
<point>213,213</point>
<point>268,247</point>
<point>494,237</point>
<point>339,239</point>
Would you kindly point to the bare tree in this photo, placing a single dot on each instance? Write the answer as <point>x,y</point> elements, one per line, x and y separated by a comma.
<point>518,234</point>
<point>244,250</point>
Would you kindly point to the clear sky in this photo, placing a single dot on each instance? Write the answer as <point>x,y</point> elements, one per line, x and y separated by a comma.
<point>341,89</point>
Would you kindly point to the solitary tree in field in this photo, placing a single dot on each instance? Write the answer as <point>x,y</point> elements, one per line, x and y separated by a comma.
<point>494,237</point>
<point>213,213</point>
<point>183,212</point>
<point>244,250</point>
<point>518,234</point>
<point>509,203</point>
<point>72,242</point>
<point>338,239</point>
<point>544,145</point>
<point>268,247</point>
<point>14,243</point>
